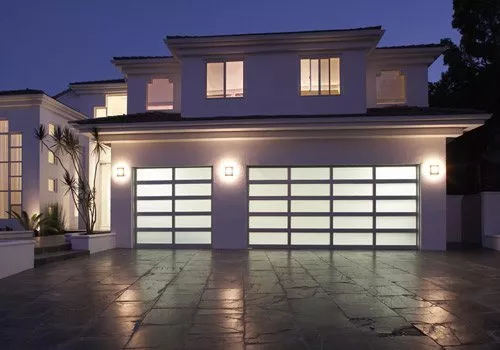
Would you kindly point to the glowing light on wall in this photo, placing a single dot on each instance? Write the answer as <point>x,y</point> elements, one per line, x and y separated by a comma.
<point>434,170</point>
<point>229,170</point>
<point>121,172</point>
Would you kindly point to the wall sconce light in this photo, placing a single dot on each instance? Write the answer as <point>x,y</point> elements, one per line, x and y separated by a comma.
<point>229,171</point>
<point>434,170</point>
<point>120,172</point>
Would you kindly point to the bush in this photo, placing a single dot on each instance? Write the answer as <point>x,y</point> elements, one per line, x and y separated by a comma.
<point>54,222</point>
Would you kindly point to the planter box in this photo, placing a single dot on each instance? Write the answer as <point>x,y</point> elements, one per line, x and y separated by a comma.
<point>16,256</point>
<point>16,235</point>
<point>93,243</point>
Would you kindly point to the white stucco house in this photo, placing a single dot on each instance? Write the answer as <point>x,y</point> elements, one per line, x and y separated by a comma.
<point>300,139</point>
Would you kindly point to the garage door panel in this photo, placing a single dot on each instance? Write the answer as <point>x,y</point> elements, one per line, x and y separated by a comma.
<point>396,173</point>
<point>397,239</point>
<point>156,221</point>
<point>193,221</point>
<point>269,206</point>
<point>397,222</point>
<point>310,190</point>
<point>352,173</point>
<point>196,190</point>
<point>353,238</point>
<point>193,237</point>
<point>352,190</point>
<point>352,222</point>
<point>310,222</point>
<point>396,189</point>
<point>268,238</point>
<point>193,205</point>
<point>268,190</point>
<point>154,190</point>
<point>396,206</point>
<point>310,238</point>
<point>310,206</point>
<point>193,173</point>
<point>307,173</point>
<point>154,206</point>
<point>154,174</point>
<point>268,174</point>
<point>352,206</point>
<point>265,222</point>
<point>154,237</point>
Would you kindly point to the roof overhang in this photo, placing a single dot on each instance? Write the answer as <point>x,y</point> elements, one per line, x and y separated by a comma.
<point>101,88</point>
<point>147,66</point>
<point>406,55</point>
<point>332,127</point>
<point>359,39</point>
<point>41,101</point>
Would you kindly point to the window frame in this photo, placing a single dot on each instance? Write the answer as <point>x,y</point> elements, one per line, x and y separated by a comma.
<point>405,89</point>
<point>55,185</point>
<point>224,78</point>
<point>319,58</point>
<point>9,190</point>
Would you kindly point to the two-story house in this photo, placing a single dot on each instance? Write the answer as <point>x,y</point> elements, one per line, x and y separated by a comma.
<point>301,139</point>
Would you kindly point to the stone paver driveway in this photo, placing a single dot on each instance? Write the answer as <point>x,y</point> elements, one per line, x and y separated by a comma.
<point>185,299</point>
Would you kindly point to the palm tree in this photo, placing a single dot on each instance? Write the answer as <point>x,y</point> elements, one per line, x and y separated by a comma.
<point>64,143</point>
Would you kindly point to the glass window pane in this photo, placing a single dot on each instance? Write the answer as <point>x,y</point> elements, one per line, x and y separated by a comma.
<point>268,190</point>
<point>356,173</point>
<point>193,173</point>
<point>310,173</point>
<point>154,221</point>
<point>193,205</point>
<point>4,148</point>
<point>310,189</point>
<point>193,189</point>
<point>352,238</point>
<point>100,112</point>
<point>160,95</point>
<point>268,206</point>
<point>348,206</point>
<point>396,206</point>
<point>310,206</point>
<point>51,129</point>
<point>193,221</point>
<point>16,140</point>
<point>4,126</point>
<point>314,77</point>
<point>310,222</point>
<point>397,222</point>
<point>16,208</point>
<point>335,76</point>
<point>154,206</point>
<point>154,190</point>
<point>154,174</point>
<point>16,154</point>
<point>154,237</point>
<point>234,79</point>
<point>352,189</point>
<point>4,176</point>
<point>325,76</point>
<point>50,157</point>
<point>268,222</point>
<point>16,169</point>
<point>396,189</point>
<point>15,198</point>
<point>305,76</point>
<point>15,183</point>
<point>4,203</point>
<point>396,173</point>
<point>52,187</point>
<point>310,238</point>
<point>391,87</point>
<point>268,174</point>
<point>193,237</point>
<point>265,238</point>
<point>215,80</point>
<point>400,239</point>
<point>116,104</point>
<point>352,222</point>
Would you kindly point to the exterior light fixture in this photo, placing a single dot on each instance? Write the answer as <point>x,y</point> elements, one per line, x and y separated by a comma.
<point>434,170</point>
<point>229,171</point>
<point>120,172</point>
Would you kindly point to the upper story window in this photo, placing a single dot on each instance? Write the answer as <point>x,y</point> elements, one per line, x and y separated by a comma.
<point>51,129</point>
<point>160,95</point>
<point>320,76</point>
<point>225,79</point>
<point>10,170</point>
<point>391,87</point>
<point>115,105</point>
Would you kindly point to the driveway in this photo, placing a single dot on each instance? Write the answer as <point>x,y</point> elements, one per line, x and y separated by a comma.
<point>202,299</point>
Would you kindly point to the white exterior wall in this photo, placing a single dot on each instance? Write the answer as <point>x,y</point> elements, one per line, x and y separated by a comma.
<point>416,84</point>
<point>229,220</point>
<point>272,87</point>
<point>84,103</point>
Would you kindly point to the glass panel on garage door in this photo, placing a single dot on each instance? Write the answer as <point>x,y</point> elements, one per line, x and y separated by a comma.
<point>370,206</point>
<point>173,206</point>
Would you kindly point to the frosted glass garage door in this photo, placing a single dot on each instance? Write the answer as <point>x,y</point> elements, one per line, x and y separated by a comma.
<point>370,206</point>
<point>173,206</point>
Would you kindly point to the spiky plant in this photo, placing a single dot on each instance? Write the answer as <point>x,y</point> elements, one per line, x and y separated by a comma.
<point>54,221</point>
<point>28,223</point>
<point>65,144</point>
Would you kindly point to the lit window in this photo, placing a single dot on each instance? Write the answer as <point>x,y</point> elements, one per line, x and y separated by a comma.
<point>160,95</point>
<point>100,112</point>
<point>319,76</point>
<point>10,170</point>
<point>391,87</point>
<point>225,79</point>
<point>51,129</point>
<point>52,185</point>
<point>51,157</point>
<point>116,104</point>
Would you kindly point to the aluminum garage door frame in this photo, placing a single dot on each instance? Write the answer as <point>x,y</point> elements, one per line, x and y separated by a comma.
<point>173,207</point>
<point>388,191</point>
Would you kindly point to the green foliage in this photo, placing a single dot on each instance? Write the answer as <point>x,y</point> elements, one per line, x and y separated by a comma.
<point>28,223</point>
<point>473,75</point>
<point>55,220</point>
<point>65,144</point>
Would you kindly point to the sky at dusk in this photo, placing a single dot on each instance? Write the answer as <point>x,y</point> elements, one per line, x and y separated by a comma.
<point>47,44</point>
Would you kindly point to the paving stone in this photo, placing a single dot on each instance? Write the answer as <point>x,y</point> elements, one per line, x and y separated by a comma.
<point>181,316</point>
<point>152,336</point>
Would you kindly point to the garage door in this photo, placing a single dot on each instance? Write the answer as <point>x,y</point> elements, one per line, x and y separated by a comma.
<point>173,206</point>
<point>362,206</point>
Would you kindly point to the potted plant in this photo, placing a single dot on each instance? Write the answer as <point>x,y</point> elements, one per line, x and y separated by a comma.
<point>65,145</point>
